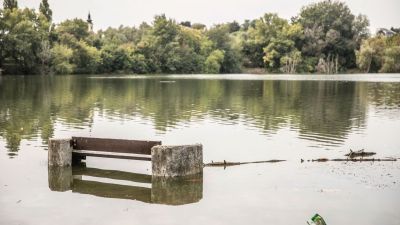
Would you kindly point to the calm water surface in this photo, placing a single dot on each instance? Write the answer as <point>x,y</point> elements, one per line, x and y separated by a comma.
<point>235,117</point>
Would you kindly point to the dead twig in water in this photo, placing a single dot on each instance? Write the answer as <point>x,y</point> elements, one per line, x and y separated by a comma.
<point>353,160</point>
<point>225,163</point>
<point>360,153</point>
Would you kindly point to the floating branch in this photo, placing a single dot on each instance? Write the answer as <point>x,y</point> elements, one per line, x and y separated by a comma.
<point>360,153</point>
<point>225,163</point>
<point>353,160</point>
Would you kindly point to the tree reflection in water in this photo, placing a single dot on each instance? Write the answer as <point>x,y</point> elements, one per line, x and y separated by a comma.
<point>324,111</point>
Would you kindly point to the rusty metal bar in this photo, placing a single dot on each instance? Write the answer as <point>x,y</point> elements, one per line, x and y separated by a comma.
<point>114,145</point>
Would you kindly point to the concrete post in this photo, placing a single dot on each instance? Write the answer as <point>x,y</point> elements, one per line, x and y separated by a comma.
<point>175,161</point>
<point>60,152</point>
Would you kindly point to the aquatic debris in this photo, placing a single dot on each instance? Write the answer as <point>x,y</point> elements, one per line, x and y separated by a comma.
<point>353,160</point>
<point>225,163</point>
<point>320,160</point>
<point>317,220</point>
<point>167,81</point>
<point>360,153</point>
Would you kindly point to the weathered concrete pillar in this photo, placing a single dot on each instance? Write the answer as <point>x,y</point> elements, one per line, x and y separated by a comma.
<point>175,161</point>
<point>60,152</point>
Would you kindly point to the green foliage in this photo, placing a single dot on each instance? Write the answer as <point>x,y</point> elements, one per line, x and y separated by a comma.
<point>380,54</point>
<point>370,55</point>
<point>259,36</point>
<point>331,29</point>
<point>21,41</point>
<point>2,37</point>
<point>360,28</point>
<point>86,58</point>
<point>282,48</point>
<point>44,9</point>
<point>198,26</point>
<point>61,59</point>
<point>213,62</point>
<point>324,37</point>
<point>224,41</point>
<point>77,28</point>
<point>122,59</point>
<point>45,56</point>
<point>10,4</point>
<point>391,59</point>
<point>166,47</point>
<point>233,27</point>
<point>186,24</point>
<point>290,61</point>
<point>165,30</point>
<point>139,64</point>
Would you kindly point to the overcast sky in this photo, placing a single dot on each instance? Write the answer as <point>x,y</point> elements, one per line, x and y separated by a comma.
<point>105,13</point>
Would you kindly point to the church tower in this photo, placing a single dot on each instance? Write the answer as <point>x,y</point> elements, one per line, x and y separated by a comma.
<point>90,23</point>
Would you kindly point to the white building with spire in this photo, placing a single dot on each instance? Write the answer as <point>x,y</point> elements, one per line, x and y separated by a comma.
<point>90,23</point>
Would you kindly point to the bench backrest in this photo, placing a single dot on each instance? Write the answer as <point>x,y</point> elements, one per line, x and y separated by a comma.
<point>114,145</point>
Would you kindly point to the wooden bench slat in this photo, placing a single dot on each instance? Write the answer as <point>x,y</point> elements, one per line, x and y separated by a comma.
<point>114,145</point>
<point>109,155</point>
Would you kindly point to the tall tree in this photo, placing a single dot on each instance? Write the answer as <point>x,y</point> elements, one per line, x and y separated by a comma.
<point>76,28</point>
<point>223,41</point>
<point>21,42</point>
<point>44,8</point>
<point>259,35</point>
<point>61,59</point>
<point>281,53</point>
<point>10,4</point>
<point>370,55</point>
<point>332,30</point>
<point>44,57</point>
<point>2,37</point>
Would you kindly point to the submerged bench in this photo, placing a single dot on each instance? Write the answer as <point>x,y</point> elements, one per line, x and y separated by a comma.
<point>112,148</point>
<point>167,161</point>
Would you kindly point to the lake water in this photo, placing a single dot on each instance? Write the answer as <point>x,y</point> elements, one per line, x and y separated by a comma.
<point>235,117</point>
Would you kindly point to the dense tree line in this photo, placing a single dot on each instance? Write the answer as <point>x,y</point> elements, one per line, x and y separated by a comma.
<point>324,37</point>
<point>380,54</point>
